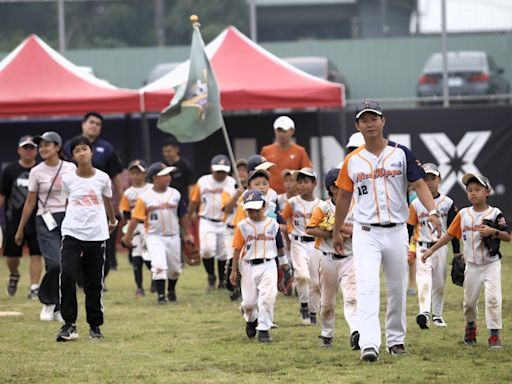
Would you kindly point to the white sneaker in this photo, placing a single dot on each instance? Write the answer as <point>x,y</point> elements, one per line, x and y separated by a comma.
<point>47,312</point>
<point>58,317</point>
<point>438,321</point>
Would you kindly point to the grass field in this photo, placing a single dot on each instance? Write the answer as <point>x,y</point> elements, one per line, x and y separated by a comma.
<point>201,339</point>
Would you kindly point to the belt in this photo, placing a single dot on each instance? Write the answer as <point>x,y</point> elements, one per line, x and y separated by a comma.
<point>258,261</point>
<point>231,226</point>
<point>212,220</point>
<point>304,239</point>
<point>425,244</point>
<point>390,225</point>
<point>334,256</point>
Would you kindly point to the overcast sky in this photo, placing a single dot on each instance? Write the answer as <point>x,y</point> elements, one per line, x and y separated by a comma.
<point>466,15</point>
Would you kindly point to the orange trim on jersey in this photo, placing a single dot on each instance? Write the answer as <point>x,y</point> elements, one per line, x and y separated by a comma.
<point>344,181</point>
<point>317,216</point>
<point>455,229</point>
<point>124,204</point>
<point>238,240</point>
<point>386,180</point>
<point>240,213</point>
<point>373,184</point>
<point>413,216</point>
<point>195,194</point>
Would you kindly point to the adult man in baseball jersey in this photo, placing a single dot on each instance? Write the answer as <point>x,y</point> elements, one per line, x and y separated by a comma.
<point>284,153</point>
<point>377,175</point>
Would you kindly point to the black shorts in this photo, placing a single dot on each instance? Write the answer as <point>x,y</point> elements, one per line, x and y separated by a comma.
<point>11,249</point>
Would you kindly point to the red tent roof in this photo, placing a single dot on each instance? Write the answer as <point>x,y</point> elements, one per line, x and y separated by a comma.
<point>249,77</point>
<point>35,80</point>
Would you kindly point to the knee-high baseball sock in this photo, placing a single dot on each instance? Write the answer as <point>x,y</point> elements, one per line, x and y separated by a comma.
<point>209,266</point>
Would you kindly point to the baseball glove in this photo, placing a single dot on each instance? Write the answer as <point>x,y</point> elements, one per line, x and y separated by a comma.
<point>191,253</point>
<point>458,267</point>
<point>492,243</point>
<point>327,223</point>
<point>285,281</point>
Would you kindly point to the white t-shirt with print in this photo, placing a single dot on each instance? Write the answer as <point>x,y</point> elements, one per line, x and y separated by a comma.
<point>85,217</point>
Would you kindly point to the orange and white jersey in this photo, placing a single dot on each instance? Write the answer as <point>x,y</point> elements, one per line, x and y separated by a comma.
<point>466,225</point>
<point>418,215</point>
<point>257,239</point>
<point>379,183</point>
<point>131,195</point>
<point>297,213</point>
<point>160,211</point>
<point>212,196</point>
<point>271,205</point>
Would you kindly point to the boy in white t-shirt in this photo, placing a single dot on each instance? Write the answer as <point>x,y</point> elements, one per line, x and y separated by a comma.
<point>84,231</point>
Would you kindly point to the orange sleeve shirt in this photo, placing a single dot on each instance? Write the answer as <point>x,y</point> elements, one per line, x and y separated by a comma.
<point>238,239</point>
<point>195,194</point>
<point>454,229</point>
<point>124,204</point>
<point>139,212</point>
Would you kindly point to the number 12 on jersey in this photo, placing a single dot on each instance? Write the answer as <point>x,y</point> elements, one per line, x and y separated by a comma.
<point>362,190</point>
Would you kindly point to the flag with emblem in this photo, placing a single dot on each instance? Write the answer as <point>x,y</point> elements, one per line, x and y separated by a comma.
<point>194,112</point>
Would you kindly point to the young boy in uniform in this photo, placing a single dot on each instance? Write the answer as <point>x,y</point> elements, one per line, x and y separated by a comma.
<point>335,270</point>
<point>483,265</point>
<point>84,233</point>
<point>163,210</point>
<point>257,242</point>
<point>431,276</point>
<point>138,254</point>
<point>305,257</point>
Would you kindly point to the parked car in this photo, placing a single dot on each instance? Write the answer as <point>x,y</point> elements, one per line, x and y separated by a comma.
<point>160,71</point>
<point>321,67</point>
<point>469,73</point>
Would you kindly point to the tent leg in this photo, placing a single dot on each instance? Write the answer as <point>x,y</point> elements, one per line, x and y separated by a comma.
<point>146,140</point>
<point>320,152</point>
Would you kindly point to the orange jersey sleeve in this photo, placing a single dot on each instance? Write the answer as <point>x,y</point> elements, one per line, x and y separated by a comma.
<point>343,181</point>
<point>413,217</point>
<point>195,194</point>
<point>239,215</point>
<point>124,204</point>
<point>139,212</point>
<point>287,211</point>
<point>454,229</point>
<point>316,217</point>
<point>225,198</point>
<point>238,239</point>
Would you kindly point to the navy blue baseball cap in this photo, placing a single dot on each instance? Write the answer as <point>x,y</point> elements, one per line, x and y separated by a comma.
<point>253,199</point>
<point>140,164</point>
<point>368,106</point>
<point>258,162</point>
<point>221,163</point>
<point>331,177</point>
<point>159,169</point>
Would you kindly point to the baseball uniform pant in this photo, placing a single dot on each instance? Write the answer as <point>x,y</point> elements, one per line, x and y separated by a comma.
<point>373,246</point>
<point>306,262</point>
<point>335,274</point>
<point>211,239</point>
<point>165,253</point>
<point>490,276</point>
<point>259,292</point>
<point>228,242</point>
<point>430,279</point>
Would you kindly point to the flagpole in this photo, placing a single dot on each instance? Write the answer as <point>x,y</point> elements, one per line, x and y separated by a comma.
<point>194,19</point>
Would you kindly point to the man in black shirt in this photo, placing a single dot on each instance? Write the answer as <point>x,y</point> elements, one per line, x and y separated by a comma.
<point>13,193</point>
<point>183,177</point>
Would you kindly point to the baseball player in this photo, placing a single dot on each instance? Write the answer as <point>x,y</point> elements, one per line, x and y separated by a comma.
<point>139,254</point>
<point>290,186</point>
<point>209,195</point>
<point>163,210</point>
<point>483,265</point>
<point>257,243</point>
<point>305,257</point>
<point>335,270</point>
<point>377,175</point>
<point>431,276</point>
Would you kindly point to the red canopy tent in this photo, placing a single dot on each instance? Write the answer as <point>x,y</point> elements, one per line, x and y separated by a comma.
<point>249,77</point>
<point>35,80</point>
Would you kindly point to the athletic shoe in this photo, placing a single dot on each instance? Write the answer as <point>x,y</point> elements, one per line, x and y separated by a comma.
<point>397,350</point>
<point>67,332</point>
<point>33,293</point>
<point>326,342</point>
<point>495,342</point>
<point>438,321</point>
<point>162,300</point>
<point>222,285</point>
<point>12,286</point>
<point>354,341</point>
<point>470,335</point>
<point>422,320</point>
<point>57,316</point>
<point>211,282</point>
<point>264,337</point>
<point>304,316</point>
<point>95,333</point>
<point>250,328</point>
<point>140,292</point>
<point>370,355</point>
<point>312,318</point>
<point>171,296</point>
<point>47,312</point>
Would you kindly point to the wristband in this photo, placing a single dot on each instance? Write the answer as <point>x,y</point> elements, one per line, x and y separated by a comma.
<point>113,224</point>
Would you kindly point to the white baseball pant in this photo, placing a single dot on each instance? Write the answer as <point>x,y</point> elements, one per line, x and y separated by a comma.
<point>490,276</point>
<point>138,241</point>
<point>228,242</point>
<point>373,246</point>
<point>430,279</point>
<point>333,275</point>
<point>259,292</point>
<point>165,252</point>
<point>211,239</point>
<point>306,262</point>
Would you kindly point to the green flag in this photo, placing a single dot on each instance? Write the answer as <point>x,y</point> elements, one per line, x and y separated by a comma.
<point>194,112</point>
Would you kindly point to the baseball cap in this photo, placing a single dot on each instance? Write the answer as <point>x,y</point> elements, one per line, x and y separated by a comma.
<point>356,140</point>
<point>159,169</point>
<point>221,163</point>
<point>284,122</point>
<point>240,162</point>
<point>331,177</point>
<point>253,199</point>
<point>287,172</point>
<point>306,171</point>
<point>50,136</point>
<point>26,140</point>
<point>137,164</point>
<point>368,106</point>
<point>258,162</point>
<point>258,172</point>
<point>431,168</point>
<point>481,179</point>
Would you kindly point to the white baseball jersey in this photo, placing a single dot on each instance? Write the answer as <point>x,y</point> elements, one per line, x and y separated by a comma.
<point>131,195</point>
<point>271,205</point>
<point>418,215</point>
<point>379,183</point>
<point>466,225</point>
<point>297,213</point>
<point>212,195</point>
<point>257,239</point>
<point>160,211</point>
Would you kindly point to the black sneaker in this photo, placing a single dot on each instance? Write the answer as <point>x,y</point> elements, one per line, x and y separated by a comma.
<point>326,342</point>
<point>95,333</point>
<point>422,320</point>
<point>312,318</point>
<point>354,341</point>
<point>12,286</point>
<point>211,282</point>
<point>222,285</point>
<point>250,328</point>
<point>171,295</point>
<point>67,332</point>
<point>397,350</point>
<point>304,316</point>
<point>161,300</point>
<point>264,337</point>
<point>370,355</point>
